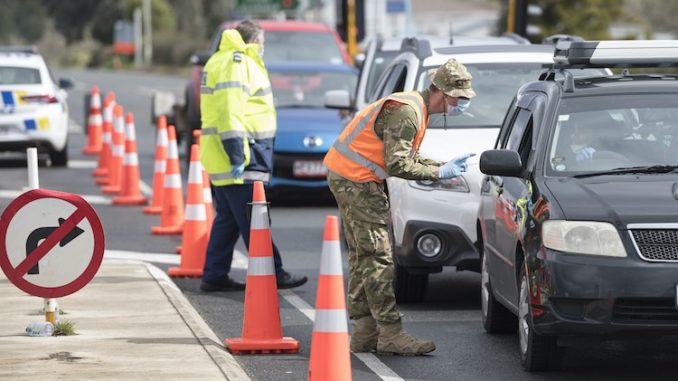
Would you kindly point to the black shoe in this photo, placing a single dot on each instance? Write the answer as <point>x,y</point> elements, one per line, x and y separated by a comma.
<point>225,285</point>
<point>287,280</point>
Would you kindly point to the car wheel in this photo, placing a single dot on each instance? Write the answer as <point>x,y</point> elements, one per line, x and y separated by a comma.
<point>496,317</point>
<point>59,158</point>
<point>537,352</point>
<point>409,288</point>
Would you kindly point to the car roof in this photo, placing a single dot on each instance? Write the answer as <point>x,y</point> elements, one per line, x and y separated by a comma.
<point>284,25</point>
<point>310,66</point>
<point>619,84</point>
<point>20,58</point>
<point>491,53</point>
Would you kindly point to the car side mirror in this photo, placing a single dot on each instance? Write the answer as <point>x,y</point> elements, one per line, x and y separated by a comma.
<point>65,83</point>
<point>501,162</point>
<point>359,60</point>
<point>338,99</point>
<point>200,58</point>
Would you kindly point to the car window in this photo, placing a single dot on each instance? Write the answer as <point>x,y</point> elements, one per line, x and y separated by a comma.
<point>495,85</point>
<point>614,131</point>
<point>506,125</point>
<point>381,60</point>
<point>307,88</point>
<point>515,136</point>
<point>390,81</point>
<point>10,75</point>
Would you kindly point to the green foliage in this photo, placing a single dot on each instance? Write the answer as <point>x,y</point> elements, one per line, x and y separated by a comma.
<point>107,13</point>
<point>24,19</point>
<point>590,19</point>
<point>64,328</point>
<point>162,15</point>
<point>71,17</point>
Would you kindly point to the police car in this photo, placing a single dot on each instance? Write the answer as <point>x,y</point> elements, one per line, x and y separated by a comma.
<point>579,205</point>
<point>33,109</point>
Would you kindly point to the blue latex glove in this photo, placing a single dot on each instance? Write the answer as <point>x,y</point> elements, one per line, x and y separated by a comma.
<point>454,167</point>
<point>585,153</point>
<point>237,171</point>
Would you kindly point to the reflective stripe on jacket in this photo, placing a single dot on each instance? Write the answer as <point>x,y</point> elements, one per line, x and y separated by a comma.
<point>237,113</point>
<point>358,153</point>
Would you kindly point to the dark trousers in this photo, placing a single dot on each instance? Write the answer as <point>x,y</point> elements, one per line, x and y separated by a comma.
<point>230,222</point>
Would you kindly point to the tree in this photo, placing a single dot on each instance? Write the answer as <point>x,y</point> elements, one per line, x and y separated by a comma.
<point>71,17</point>
<point>107,13</point>
<point>162,15</point>
<point>30,17</point>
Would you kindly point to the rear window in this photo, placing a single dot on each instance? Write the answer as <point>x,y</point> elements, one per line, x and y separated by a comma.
<point>19,76</point>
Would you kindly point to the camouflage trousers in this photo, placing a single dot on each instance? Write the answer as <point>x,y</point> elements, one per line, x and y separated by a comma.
<point>365,214</point>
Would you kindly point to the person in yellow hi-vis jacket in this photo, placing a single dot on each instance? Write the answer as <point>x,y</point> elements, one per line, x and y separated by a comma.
<point>236,147</point>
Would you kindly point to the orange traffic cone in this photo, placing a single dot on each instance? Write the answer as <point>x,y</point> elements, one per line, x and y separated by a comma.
<point>159,168</point>
<point>261,330</point>
<point>106,137</point>
<point>207,196</point>
<point>194,240</point>
<point>330,354</point>
<point>112,182</point>
<point>130,190</point>
<point>172,216</point>
<point>94,124</point>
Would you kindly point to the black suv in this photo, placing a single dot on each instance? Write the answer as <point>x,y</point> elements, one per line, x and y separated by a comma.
<point>579,205</point>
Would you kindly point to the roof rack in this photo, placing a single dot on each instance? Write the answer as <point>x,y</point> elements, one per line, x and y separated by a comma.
<point>517,38</point>
<point>421,48</point>
<point>618,54</point>
<point>19,49</point>
<point>555,38</point>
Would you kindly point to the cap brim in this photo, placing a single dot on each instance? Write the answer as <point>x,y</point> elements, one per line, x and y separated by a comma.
<point>461,93</point>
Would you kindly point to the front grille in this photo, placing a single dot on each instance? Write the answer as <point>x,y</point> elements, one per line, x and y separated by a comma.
<point>657,245</point>
<point>645,310</point>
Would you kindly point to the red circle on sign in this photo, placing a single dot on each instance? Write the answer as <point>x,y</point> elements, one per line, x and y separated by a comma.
<point>97,254</point>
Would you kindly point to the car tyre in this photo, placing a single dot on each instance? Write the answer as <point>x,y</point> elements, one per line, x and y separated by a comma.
<point>496,318</point>
<point>59,158</point>
<point>537,352</point>
<point>409,288</point>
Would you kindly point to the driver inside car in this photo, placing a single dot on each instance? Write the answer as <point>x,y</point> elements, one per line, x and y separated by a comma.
<point>592,132</point>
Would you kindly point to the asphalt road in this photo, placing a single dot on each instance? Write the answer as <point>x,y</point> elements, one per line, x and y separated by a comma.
<point>450,315</point>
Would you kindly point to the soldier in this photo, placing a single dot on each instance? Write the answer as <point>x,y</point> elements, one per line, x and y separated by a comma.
<point>381,141</point>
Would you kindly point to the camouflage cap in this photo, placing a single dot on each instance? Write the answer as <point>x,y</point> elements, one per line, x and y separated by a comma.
<point>453,79</point>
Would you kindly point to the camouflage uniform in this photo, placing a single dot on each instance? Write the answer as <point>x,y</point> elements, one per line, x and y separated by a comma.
<point>364,206</point>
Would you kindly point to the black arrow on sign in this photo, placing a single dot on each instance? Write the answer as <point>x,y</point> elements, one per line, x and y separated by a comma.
<point>39,234</point>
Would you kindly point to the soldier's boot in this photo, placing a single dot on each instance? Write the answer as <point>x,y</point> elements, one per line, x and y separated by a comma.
<point>393,340</point>
<point>365,334</point>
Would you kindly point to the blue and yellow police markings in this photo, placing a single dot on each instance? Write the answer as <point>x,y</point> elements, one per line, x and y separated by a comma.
<point>39,124</point>
<point>11,99</point>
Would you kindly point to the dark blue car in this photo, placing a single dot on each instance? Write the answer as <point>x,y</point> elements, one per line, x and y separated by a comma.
<point>306,129</point>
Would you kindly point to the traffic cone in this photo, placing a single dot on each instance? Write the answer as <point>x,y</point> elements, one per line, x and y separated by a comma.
<point>330,354</point>
<point>194,240</point>
<point>261,330</point>
<point>159,168</point>
<point>172,216</point>
<point>106,137</point>
<point>130,190</point>
<point>94,124</point>
<point>207,196</point>
<point>112,182</point>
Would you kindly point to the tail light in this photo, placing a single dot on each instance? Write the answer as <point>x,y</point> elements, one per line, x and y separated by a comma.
<point>42,99</point>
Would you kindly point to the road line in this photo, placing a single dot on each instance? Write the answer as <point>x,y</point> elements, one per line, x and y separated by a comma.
<point>90,198</point>
<point>170,259</point>
<point>145,189</point>
<point>74,128</point>
<point>77,164</point>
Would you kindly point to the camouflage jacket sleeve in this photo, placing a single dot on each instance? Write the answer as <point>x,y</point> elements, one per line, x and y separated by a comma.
<point>397,125</point>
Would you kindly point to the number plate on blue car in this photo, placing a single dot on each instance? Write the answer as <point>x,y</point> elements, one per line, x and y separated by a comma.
<point>309,168</point>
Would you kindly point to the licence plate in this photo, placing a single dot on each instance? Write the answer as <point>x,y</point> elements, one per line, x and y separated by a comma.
<point>309,168</point>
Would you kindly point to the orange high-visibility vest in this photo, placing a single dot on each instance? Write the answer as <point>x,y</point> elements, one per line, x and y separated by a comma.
<point>358,153</point>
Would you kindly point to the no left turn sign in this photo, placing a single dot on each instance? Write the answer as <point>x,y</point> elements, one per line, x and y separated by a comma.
<point>51,243</point>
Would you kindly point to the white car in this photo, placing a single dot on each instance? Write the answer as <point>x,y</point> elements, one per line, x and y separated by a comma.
<point>434,223</point>
<point>33,109</point>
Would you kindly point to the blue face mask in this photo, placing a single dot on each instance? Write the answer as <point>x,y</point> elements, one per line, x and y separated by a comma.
<point>460,108</point>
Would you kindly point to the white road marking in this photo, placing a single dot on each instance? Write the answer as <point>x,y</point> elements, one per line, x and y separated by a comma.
<point>74,128</point>
<point>145,188</point>
<point>371,361</point>
<point>90,198</point>
<point>77,164</point>
<point>171,259</point>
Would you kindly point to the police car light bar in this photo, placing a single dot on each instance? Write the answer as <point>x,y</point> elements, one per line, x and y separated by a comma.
<point>605,54</point>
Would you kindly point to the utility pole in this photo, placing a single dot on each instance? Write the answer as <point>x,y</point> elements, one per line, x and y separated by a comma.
<point>351,29</point>
<point>138,38</point>
<point>148,33</point>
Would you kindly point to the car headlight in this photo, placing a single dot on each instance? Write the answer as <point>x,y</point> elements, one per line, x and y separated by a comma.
<point>455,184</point>
<point>583,237</point>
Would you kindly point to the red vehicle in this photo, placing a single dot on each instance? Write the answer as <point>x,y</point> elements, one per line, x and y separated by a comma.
<point>285,41</point>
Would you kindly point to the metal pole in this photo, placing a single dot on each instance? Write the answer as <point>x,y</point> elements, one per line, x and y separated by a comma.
<point>138,38</point>
<point>148,33</point>
<point>511,17</point>
<point>351,29</point>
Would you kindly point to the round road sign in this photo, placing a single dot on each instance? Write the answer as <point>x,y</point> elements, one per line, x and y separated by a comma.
<point>51,243</point>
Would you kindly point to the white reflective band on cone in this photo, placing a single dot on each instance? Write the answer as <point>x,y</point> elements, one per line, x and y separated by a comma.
<point>259,217</point>
<point>195,212</point>
<point>260,266</point>
<point>173,181</point>
<point>108,113</point>
<point>119,126</point>
<point>96,102</point>
<point>172,150</point>
<point>118,150</point>
<point>207,195</point>
<point>194,173</point>
<point>330,261</point>
<point>163,140</point>
<point>106,137</point>
<point>130,133</point>
<point>95,119</point>
<point>131,159</point>
<point>330,321</point>
<point>160,166</point>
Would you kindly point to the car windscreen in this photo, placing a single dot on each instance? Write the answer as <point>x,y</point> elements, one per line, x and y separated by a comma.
<point>495,85</point>
<point>301,46</point>
<point>595,134</point>
<point>307,88</point>
<point>381,60</point>
<point>10,75</point>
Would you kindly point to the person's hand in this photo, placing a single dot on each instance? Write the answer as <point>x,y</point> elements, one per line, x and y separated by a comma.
<point>454,167</point>
<point>585,153</point>
<point>237,171</point>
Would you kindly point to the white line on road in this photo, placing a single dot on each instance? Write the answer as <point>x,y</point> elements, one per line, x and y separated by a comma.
<point>145,189</point>
<point>171,259</point>
<point>77,164</point>
<point>90,198</point>
<point>74,128</point>
<point>370,360</point>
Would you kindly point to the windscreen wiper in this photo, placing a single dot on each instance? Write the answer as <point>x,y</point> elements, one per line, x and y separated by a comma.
<point>630,170</point>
